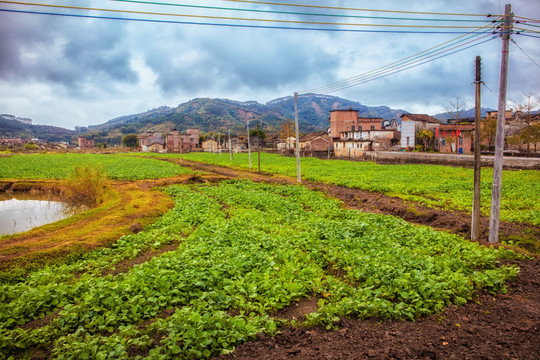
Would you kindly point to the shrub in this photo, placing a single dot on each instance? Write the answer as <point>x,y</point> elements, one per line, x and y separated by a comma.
<point>85,185</point>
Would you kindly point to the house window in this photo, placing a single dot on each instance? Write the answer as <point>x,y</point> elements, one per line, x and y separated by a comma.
<point>372,127</point>
<point>460,141</point>
<point>443,141</point>
<point>360,128</point>
<point>408,141</point>
<point>353,128</point>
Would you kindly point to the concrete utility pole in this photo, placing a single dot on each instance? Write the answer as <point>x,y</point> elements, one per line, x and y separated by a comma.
<point>298,175</point>
<point>230,147</point>
<point>219,142</point>
<point>249,145</point>
<point>258,149</point>
<point>475,222</point>
<point>506,28</point>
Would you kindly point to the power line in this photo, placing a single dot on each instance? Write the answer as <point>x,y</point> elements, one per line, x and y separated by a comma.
<point>519,47</point>
<point>296,12</point>
<point>357,9</point>
<point>437,50</point>
<point>398,70</point>
<point>420,54</point>
<point>233,25</point>
<point>282,21</point>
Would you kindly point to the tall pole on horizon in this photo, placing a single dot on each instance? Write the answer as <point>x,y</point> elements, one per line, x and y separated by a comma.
<point>298,175</point>
<point>506,28</point>
<point>230,147</point>
<point>249,144</point>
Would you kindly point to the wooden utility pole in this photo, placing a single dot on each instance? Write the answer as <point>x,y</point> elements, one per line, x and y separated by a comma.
<point>298,175</point>
<point>230,147</point>
<point>475,223</point>
<point>249,145</point>
<point>506,28</point>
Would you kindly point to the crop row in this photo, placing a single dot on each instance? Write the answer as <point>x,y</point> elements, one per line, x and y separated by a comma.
<point>245,250</point>
<point>58,166</point>
<point>433,185</point>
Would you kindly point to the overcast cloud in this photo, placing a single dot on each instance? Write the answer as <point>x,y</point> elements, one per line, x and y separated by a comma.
<point>76,72</point>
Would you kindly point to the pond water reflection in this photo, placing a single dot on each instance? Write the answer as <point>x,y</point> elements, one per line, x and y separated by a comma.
<point>28,211</point>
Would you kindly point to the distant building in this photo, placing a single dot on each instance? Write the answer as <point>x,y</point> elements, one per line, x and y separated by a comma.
<point>171,142</point>
<point>316,142</point>
<point>352,136</point>
<point>85,143</point>
<point>11,141</point>
<point>455,138</point>
<point>412,124</point>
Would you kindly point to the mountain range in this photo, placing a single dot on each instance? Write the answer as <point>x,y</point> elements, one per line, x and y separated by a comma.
<point>12,126</point>
<point>220,115</point>
<point>212,115</point>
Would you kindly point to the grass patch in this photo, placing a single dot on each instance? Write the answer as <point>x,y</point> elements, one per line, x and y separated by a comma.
<point>122,206</point>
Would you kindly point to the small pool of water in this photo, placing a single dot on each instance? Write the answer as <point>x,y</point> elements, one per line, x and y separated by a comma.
<point>23,214</point>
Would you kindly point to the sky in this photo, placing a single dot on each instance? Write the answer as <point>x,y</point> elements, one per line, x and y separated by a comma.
<point>75,71</point>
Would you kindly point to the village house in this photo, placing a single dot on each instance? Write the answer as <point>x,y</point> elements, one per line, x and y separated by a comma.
<point>287,144</point>
<point>412,124</point>
<point>85,143</point>
<point>171,142</point>
<point>352,136</point>
<point>455,138</point>
<point>152,141</point>
<point>315,143</point>
<point>11,142</point>
<point>210,145</point>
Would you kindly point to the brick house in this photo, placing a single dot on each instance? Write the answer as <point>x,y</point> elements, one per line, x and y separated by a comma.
<point>352,136</point>
<point>171,142</point>
<point>315,142</point>
<point>455,138</point>
<point>85,143</point>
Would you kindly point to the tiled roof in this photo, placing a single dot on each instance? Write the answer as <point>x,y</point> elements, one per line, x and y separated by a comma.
<point>312,136</point>
<point>421,117</point>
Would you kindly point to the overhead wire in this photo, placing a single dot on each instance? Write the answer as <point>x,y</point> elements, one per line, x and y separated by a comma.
<point>523,51</point>
<point>355,9</point>
<point>407,60</point>
<point>229,18</point>
<point>401,68</point>
<point>281,12</point>
<point>251,26</point>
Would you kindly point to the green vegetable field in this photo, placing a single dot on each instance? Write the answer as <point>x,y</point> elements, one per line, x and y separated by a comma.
<point>242,251</point>
<point>58,166</point>
<point>441,187</point>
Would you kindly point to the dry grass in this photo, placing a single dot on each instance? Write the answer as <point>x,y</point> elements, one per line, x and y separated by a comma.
<point>85,186</point>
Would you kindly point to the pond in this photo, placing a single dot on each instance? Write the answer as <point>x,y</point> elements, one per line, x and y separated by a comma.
<point>28,211</point>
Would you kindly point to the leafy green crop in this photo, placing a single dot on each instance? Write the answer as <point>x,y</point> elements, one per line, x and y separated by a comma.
<point>244,251</point>
<point>58,166</point>
<point>437,186</point>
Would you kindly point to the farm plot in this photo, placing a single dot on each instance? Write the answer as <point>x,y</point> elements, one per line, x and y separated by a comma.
<point>441,187</point>
<point>244,251</point>
<point>57,166</point>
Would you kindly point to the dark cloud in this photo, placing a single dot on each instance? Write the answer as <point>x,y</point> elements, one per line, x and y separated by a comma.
<point>67,52</point>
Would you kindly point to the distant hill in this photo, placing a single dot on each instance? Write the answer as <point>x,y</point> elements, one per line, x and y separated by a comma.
<point>9,127</point>
<point>444,117</point>
<point>211,115</point>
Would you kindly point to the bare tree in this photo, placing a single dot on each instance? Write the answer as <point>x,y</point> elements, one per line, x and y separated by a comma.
<point>456,108</point>
<point>525,113</point>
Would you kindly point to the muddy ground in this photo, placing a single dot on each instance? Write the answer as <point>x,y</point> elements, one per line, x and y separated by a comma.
<point>504,326</point>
